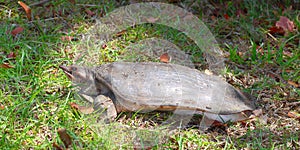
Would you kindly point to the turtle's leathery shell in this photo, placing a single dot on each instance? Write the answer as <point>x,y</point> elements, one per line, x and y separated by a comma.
<point>161,86</point>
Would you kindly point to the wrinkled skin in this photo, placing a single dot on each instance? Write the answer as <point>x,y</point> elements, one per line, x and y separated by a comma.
<point>90,89</point>
<point>157,86</point>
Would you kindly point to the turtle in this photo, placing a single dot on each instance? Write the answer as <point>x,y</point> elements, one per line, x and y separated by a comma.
<point>148,86</point>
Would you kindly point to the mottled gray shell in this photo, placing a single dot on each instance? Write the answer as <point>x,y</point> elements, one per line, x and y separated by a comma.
<point>160,86</point>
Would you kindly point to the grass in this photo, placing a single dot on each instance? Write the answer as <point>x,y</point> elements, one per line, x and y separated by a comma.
<point>35,94</point>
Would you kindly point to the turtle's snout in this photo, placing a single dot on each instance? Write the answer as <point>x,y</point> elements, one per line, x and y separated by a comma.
<point>65,68</point>
<point>68,71</point>
<point>76,73</point>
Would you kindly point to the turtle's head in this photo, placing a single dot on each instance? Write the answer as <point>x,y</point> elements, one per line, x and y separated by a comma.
<point>78,74</point>
<point>83,78</point>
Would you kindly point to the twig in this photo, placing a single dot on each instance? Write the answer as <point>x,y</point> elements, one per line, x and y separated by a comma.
<point>87,5</point>
<point>293,104</point>
<point>272,36</point>
<point>40,3</point>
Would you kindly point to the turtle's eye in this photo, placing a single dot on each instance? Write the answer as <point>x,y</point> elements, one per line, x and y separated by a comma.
<point>74,69</point>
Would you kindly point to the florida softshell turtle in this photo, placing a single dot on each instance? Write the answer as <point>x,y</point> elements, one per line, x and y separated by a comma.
<point>148,86</point>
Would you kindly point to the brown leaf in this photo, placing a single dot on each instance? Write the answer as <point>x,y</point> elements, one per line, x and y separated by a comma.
<point>288,70</point>
<point>65,137</point>
<point>208,72</point>
<point>11,55</point>
<point>276,77</point>
<point>165,58</point>
<point>213,17</point>
<point>259,50</point>
<point>72,1</point>
<point>152,19</point>
<point>40,3</point>
<point>257,112</point>
<point>104,46</point>
<point>216,12</point>
<point>241,12</point>
<point>89,12</point>
<point>86,110</point>
<point>74,105</point>
<point>68,38</point>
<point>2,107</point>
<point>226,16</point>
<point>27,10</point>
<point>82,109</point>
<point>286,24</point>
<point>120,33</point>
<point>287,53</point>
<point>6,66</point>
<point>16,47</point>
<point>276,30</point>
<point>216,123</point>
<point>16,31</point>
<point>56,146</point>
<point>293,83</point>
<point>293,114</point>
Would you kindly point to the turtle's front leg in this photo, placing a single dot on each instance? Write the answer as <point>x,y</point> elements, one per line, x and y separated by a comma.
<point>103,102</point>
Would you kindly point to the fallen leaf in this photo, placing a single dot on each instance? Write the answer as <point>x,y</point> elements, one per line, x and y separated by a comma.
<point>66,38</point>
<point>121,33</point>
<point>293,114</point>
<point>86,110</point>
<point>74,105</point>
<point>39,3</point>
<point>287,53</point>
<point>216,12</point>
<point>11,55</point>
<point>274,76</point>
<point>165,58</point>
<point>288,70</point>
<point>82,109</point>
<point>16,31</point>
<point>89,12</point>
<point>286,24</point>
<point>104,46</point>
<point>218,124</point>
<point>6,66</point>
<point>72,1</point>
<point>226,16</point>
<point>241,54</point>
<point>276,30</point>
<point>208,72</point>
<point>293,83</point>
<point>213,17</point>
<point>152,19</point>
<point>17,47</point>
<point>281,6</point>
<point>56,146</point>
<point>241,12</point>
<point>259,50</point>
<point>27,10</point>
<point>65,137</point>
<point>257,112</point>
<point>263,119</point>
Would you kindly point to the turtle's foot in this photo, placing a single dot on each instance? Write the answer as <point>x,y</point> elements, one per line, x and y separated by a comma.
<point>208,122</point>
<point>106,106</point>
